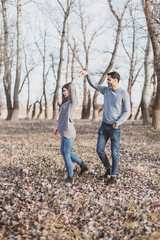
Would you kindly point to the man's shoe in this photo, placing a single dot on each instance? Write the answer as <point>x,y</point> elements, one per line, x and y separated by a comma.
<point>112,180</point>
<point>83,167</point>
<point>69,180</point>
<point>107,173</point>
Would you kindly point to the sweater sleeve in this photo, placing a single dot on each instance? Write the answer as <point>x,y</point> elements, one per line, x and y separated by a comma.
<point>95,85</point>
<point>72,94</point>
<point>126,109</point>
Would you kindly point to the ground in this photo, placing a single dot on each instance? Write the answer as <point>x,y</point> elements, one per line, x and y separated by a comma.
<point>36,203</point>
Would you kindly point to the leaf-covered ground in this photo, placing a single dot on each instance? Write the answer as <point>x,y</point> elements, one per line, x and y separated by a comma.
<point>36,203</point>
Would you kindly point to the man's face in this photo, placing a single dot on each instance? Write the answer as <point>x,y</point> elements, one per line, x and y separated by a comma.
<point>111,81</point>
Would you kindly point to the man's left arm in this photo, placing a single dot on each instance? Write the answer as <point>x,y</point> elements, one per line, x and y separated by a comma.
<point>126,109</point>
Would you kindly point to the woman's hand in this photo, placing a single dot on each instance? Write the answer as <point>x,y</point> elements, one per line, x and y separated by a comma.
<point>77,76</point>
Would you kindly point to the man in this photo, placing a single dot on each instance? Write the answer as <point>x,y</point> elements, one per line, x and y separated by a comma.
<point>116,111</point>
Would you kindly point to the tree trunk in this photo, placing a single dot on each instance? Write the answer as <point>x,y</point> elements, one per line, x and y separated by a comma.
<point>150,107</point>
<point>44,88</point>
<point>18,67</point>
<point>40,108</point>
<point>56,95</point>
<point>7,70</point>
<point>132,63</point>
<point>72,63</point>
<point>86,106</point>
<point>68,57</point>
<point>138,110</point>
<point>147,5</point>
<point>45,107</point>
<point>1,54</point>
<point>156,110</point>
<point>34,110</point>
<point>28,107</point>
<point>145,93</point>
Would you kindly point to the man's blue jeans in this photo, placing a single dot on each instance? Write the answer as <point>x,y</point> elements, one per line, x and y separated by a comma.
<point>68,156</point>
<point>105,132</point>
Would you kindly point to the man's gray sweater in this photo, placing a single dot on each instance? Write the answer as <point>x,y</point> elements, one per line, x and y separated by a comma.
<point>65,122</point>
<point>116,103</point>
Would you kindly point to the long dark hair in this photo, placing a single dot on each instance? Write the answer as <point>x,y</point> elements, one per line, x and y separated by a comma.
<point>67,86</point>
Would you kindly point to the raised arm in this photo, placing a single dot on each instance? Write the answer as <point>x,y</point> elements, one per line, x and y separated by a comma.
<point>92,83</point>
<point>72,94</point>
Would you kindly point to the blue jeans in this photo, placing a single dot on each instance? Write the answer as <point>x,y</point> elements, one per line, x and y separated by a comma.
<point>68,156</point>
<point>105,132</point>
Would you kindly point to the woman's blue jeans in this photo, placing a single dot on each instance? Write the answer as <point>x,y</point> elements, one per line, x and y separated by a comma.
<point>105,132</point>
<point>68,156</point>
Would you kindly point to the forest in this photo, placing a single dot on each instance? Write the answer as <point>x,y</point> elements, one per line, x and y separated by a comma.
<point>43,45</point>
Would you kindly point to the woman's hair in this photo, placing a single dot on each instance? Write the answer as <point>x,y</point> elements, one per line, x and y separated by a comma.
<point>67,86</point>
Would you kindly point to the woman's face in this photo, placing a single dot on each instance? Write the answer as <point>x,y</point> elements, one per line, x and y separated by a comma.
<point>65,92</point>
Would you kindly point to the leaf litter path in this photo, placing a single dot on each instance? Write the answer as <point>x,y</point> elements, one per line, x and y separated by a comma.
<point>36,203</point>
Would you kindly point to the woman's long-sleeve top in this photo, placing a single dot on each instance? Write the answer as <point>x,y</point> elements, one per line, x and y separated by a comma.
<point>65,122</point>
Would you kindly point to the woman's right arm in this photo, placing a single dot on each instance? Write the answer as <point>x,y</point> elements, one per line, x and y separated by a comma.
<point>73,97</point>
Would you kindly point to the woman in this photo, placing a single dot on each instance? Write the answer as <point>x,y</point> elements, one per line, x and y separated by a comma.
<point>67,129</point>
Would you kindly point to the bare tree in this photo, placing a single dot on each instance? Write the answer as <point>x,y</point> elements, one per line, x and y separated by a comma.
<point>1,54</point>
<point>15,112</point>
<point>145,93</point>
<point>40,107</point>
<point>68,53</point>
<point>86,105</point>
<point>27,78</point>
<point>134,58</point>
<point>112,60</point>
<point>43,53</point>
<point>87,41</point>
<point>66,13</point>
<point>7,61</point>
<point>34,110</point>
<point>154,93</point>
<point>73,58</point>
<point>148,7</point>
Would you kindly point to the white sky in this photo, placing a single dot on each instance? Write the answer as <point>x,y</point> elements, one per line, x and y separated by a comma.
<point>99,57</point>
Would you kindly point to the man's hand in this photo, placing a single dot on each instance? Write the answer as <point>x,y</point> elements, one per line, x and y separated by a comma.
<point>84,72</point>
<point>55,131</point>
<point>115,126</point>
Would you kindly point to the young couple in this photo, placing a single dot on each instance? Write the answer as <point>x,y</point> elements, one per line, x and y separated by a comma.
<point>116,111</point>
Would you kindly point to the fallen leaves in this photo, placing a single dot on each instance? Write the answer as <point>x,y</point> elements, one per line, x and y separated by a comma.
<point>35,202</point>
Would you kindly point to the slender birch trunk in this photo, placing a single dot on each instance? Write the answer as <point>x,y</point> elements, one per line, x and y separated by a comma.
<point>15,113</point>
<point>7,69</point>
<point>145,93</point>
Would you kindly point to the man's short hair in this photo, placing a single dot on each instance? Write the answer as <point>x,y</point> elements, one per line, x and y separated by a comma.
<point>114,75</point>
